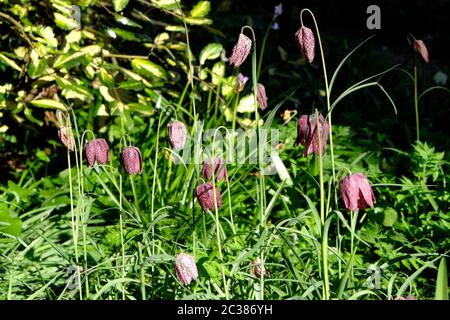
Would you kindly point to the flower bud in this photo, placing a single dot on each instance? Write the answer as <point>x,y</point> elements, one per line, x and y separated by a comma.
<point>357,192</point>
<point>66,138</point>
<point>421,48</point>
<point>220,169</point>
<point>185,268</point>
<point>261,96</point>
<point>177,134</point>
<point>205,196</point>
<point>305,42</point>
<point>240,50</point>
<point>97,150</point>
<point>132,160</point>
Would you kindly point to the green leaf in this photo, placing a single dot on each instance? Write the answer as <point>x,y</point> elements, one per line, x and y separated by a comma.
<point>37,67</point>
<point>148,69</point>
<point>218,72</point>
<point>124,34</point>
<point>49,37</point>
<point>49,104</point>
<point>42,156</point>
<point>127,22</point>
<point>210,52</point>
<point>9,62</point>
<point>68,61</point>
<point>64,22</point>
<point>246,104</point>
<point>106,78</point>
<point>201,9</point>
<point>390,217</point>
<point>198,21</point>
<point>10,224</point>
<point>72,90</point>
<point>442,281</point>
<point>119,5</point>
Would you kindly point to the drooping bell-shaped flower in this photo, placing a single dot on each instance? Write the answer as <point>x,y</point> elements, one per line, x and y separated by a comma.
<point>306,43</point>
<point>220,169</point>
<point>261,96</point>
<point>240,50</point>
<point>185,268</point>
<point>420,47</point>
<point>205,196</point>
<point>132,160</point>
<point>255,268</point>
<point>97,150</point>
<point>177,134</point>
<point>308,133</point>
<point>357,192</point>
<point>66,137</point>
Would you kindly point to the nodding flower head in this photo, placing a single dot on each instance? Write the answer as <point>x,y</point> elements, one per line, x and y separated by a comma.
<point>308,133</point>
<point>357,192</point>
<point>420,47</point>
<point>132,160</point>
<point>306,43</point>
<point>177,134</point>
<point>220,169</point>
<point>261,96</point>
<point>97,150</point>
<point>185,268</point>
<point>255,269</point>
<point>66,137</point>
<point>205,196</point>
<point>240,50</point>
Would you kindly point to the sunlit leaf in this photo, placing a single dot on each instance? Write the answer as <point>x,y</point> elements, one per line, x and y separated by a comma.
<point>210,52</point>
<point>201,9</point>
<point>149,69</point>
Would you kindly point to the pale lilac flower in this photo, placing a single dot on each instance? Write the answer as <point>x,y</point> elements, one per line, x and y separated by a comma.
<point>132,160</point>
<point>205,196</point>
<point>242,80</point>
<point>306,43</point>
<point>278,10</point>
<point>308,135</point>
<point>97,150</point>
<point>185,268</point>
<point>241,50</point>
<point>357,192</point>
<point>275,26</point>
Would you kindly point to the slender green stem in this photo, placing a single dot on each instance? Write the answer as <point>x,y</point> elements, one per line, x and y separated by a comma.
<point>121,236</point>
<point>216,211</point>
<point>152,212</point>
<point>326,285</point>
<point>327,90</point>
<point>136,200</point>
<point>142,272</point>
<point>261,184</point>
<point>416,104</point>
<point>263,47</point>
<point>233,126</point>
